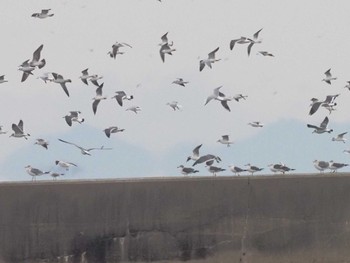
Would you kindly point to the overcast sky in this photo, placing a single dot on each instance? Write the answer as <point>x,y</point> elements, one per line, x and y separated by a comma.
<point>306,37</point>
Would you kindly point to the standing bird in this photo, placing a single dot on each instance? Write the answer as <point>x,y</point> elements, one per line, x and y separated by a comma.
<point>43,14</point>
<point>253,41</point>
<point>18,131</point>
<point>322,128</point>
<point>340,137</point>
<point>195,154</point>
<point>85,151</point>
<point>112,129</point>
<point>42,143</point>
<point>214,170</point>
<point>187,170</point>
<point>333,166</point>
<point>225,140</point>
<point>36,62</point>
<point>98,98</point>
<point>328,77</point>
<point>55,175</point>
<point>34,172</point>
<point>236,170</point>
<point>60,80</point>
<point>252,168</point>
<point>321,165</point>
<point>210,60</point>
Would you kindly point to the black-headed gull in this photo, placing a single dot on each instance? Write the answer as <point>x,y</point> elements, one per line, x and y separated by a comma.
<point>64,164</point>
<point>321,165</point>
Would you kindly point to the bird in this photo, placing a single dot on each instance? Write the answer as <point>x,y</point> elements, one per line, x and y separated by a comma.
<point>112,129</point>
<point>321,165</point>
<point>252,168</point>
<point>60,80</point>
<point>347,86</point>
<point>73,116</point>
<point>195,154</point>
<point>328,102</point>
<point>279,167</point>
<point>328,77</point>
<point>187,170</point>
<point>180,81</point>
<point>217,95</point>
<point>210,60</point>
<point>98,98</point>
<point>340,137</point>
<point>85,151</point>
<point>36,62</point>
<point>64,164</point>
<point>214,95</point>
<point>225,140</point>
<point>120,96</point>
<point>322,128</point>
<point>256,124</point>
<point>164,39</point>
<point>238,97</point>
<point>265,53</point>
<point>241,40</point>
<point>85,76</point>
<point>214,170</point>
<point>34,172</point>
<point>134,109</point>
<point>165,49</point>
<point>236,170</point>
<point>207,158</point>
<point>253,41</point>
<point>115,49</point>
<point>174,105</point>
<point>45,77</point>
<point>26,69</point>
<point>54,175</point>
<point>94,79</point>
<point>42,143</point>
<point>43,14</point>
<point>333,166</point>
<point>18,131</point>
<point>2,79</point>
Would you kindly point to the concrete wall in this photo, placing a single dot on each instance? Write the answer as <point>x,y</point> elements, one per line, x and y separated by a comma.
<point>223,219</point>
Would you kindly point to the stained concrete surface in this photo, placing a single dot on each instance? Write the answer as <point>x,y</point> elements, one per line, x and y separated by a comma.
<point>293,218</point>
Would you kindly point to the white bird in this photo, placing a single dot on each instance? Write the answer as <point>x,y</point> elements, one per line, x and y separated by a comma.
<point>26,69</point>
<point>214,170</point>
<point>112,129</point>
<point>321,165</point>
<point>340,137</point>
<point>45,77</point>
<point>165,41</point>
<point>217,95</point>
<point>322,128</point>
<point>333,166</point>
<point>241,40</point>
<point>43,14</point>
<point>236,170</point>
<point>256,124</point>
<point>120,96</point>
<point>2,79</point>
<point>85,151</point>
<point>73,116</point>
<point>279,167</point>
<point>64,164</point>
<point>134,109</point>
<point>34,172</point>
<point>165,49</point>
<point>174,105</point>
<point>214,95</point>
<point>225,140</point>
<point>195,154</point>
<point>60,80</point>
<point>210,60</point>
<point>98,98</point>
<point>18,131</point>
<point>42,143</point>
<point>115,49</point>
<point>84,78</point>
<point>187,170</point>
<point>94,78</point>
<point>252,168</point>
<point>328,103</point>
<point>36,62</point>
<point>253,41</point>
<point>180,81</point>
<point>328,77</point>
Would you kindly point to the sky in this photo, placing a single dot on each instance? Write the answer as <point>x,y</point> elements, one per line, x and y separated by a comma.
<point>306,38</point>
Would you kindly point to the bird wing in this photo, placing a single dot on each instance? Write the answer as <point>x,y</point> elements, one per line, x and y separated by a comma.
<point>232,43</point>
<point>341,135</point>
<point>225,105</point>
<point>256,35</point>
<point>55,75</point>
<point>331,98</point>
<point>85,81</point>
<point>99,90</point>
<point>16,129</point>
<point>63,85</point>
<point>196,150</point>
<point>36,54</point>
<point>101,148</point>
<point>119,99</point>
<point>20,125</point>
<point>45,11</point>
<point>315,106</point>
<point>25,76</point>
<point>217,91</point>
<point>68,119</point>
<point>71,143</point>
<point>164,38</point>
<point>225,137</point>
<point>201,65</point>
<point>324,123</point>
<point>85,72</point>
<point>94,105</point>
<point>312,126</point>
<point>211,55</point>
<point>250,47</point>
<point>107,132</point>
<point>328,73</point>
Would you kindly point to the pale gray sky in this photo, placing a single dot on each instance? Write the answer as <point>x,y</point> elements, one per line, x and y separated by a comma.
<point>307,38</point>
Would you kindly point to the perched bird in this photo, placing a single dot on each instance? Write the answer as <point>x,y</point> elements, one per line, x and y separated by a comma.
<point>18,131</point>
<point>180,81</point>
<point>165,49</point>
<point>98,98</point>
<point>214,170</point>
<point>34,172</point>
<point>174,105</point>
<point>195,154</point>
<point>60,80</point>
<point>112,129</point>
<point>252,169</point>
<point>42,143</point>
<point>265,53</point>
<point>43,14</point>
<point>328,77</point>
<point>134,109</point>
<point>85,151</point>
<point>321,165</point>
<point>340,137</point>
<point>322,128</point>
<point>26,69</point>
<point>73,116</point>
<point>253,41</point>
<point>65,165</point>
<point>236,170</point>
<point>328,103</point>
<point>225,140</point>
<point>333,166</point>
<point>36,62</point>
<point>187,170</point>
<point>256,124</point>
<point>84,78</point>
<point>241,40</point>
<point>210,60</point>
<point>207,158</point>
<point>54,175</point>
<point>2,79</point>
<point>120,96</point>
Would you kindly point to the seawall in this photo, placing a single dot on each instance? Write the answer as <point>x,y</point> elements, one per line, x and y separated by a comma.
<point>292,218</point>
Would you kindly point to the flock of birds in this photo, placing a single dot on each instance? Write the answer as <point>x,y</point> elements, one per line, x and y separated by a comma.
<point>167,49</point>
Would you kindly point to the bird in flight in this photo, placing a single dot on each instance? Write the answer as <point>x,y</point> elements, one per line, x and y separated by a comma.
<point>85,151</point>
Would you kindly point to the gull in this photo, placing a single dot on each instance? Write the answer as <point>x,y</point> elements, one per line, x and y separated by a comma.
<point>340,137</point>
<point>55,175</point>
<point>1,131</point>
<point>347,151</point>
<point>333,166</point>
<point>174,105</point>
<point>207,158</point>
<point>225,140</point>
<point>322,128</point>
<point>180,81</point>
<point>2,79</point>
<point>134,109</point>
<point>214,169</point>
<point>328,103</point>
<point>347,86</point>
<point>60,80</point>
<point>165,49</point>
<point>253,41</point>
<point>34,172</point>
<point>42,143</point>
<point>256,124</point>
<point>328,77</point>
<point>214,95</point>
<point>94,79</point>
<point>85,76</point>
<point>321,165</point>
<point>98,98</point>
<point>265,53</point>
<point>217,95</point>
<point>195,154</point>
<point>45,77</point>
<point>239,97</point>
<point>43,14</point>
<point>252,169</point>
<point>64,164</point>
<point>285,169</point>
<point>112,129</point>
<point>85,151</point>
<point>73,116</point>
<point>120,96</point>
<point>27,70</point>
<point>241,40</point>
<point>18,130</point>
<point>236,170</point>
<point>115,49</point>
<point>211,59</point>
<point>279,168</point>
<point>36,62</point>
<point>164,39</point>
<point>187,170</point>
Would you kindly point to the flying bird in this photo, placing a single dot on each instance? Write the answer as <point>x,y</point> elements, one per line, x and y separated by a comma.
<point>265,53</point>
<point>347,86</point>
<point>64,164</point>
<point>26,69</point>
<point>207,158</point>
<point>241,40</point>
<point>98,98</point>
<point>112,129</point>
<point>180,81</point>
<point>210,60</point>
<point>60,80</point>
<point>46,77</point>
<point>165,41</point>
<point>340,137</point>
<point>73,116</point>
<point>42,143</point>
<point>36,62</point>
<point>18,131</point>
<point>174,105</point>
<point>85,151</point>
<point>253,41</point>
<point>327,103</point>
<point>120,96</point>
<point>165,49</point>
<point>43,14</point>
<point>328,77</point>
<point>84,78</point>
<point>115,49</point>
<point>322,128</point>
<point>256,124</point>
<point>94,79</point>
<point>195,154</point>
<point>225,140</point>
<point>238,97</point>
